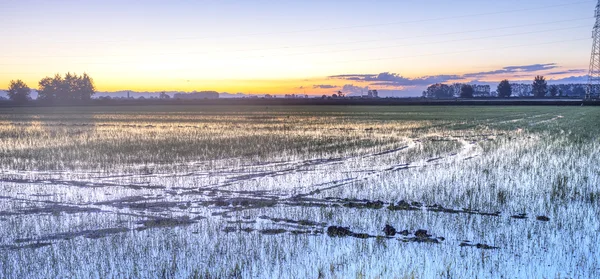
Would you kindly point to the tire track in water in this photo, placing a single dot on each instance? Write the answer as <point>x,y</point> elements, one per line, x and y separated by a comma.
<point>239,200</point>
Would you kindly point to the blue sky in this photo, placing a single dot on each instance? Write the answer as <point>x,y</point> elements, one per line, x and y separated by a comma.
<point>292,46</point>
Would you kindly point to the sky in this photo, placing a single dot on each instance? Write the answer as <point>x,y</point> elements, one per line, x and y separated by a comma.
<point>287,46</point>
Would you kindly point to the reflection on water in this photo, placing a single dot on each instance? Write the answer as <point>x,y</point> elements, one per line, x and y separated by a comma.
<point>324,199</point>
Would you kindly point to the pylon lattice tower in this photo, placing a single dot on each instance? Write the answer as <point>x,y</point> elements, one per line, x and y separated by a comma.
<point>593,88</point>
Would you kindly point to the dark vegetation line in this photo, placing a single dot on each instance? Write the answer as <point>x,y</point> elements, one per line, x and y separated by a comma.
<point>74,90</point>
<point>317,102</point>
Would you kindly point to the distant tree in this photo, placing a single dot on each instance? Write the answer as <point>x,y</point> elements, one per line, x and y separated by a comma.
<point>439,91</point>
<point>579,91</point>
<point>324,97</point>
<point>560,92</point>
<point>553,90</point>
<point>86,87</point>
<point>334,96</point>
<point>49,87</point>
<point>18,91</point>
<point>340,94</point>
<point>466,91</point>
<point>504,89</point>
<point>540,87</point>
<point>164,96</point>
<point>70,88</point>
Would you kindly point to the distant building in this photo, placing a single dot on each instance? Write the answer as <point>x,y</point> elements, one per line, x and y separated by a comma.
<point>197,95</point>
<point>478,90</point>
<point>482,90</point>
<point>372,94</point>
<point>294,96</point>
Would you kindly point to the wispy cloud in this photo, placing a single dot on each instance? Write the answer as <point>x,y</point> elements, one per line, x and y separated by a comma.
<point>324,86</point>
<point>513,70</point>
<point>393,79</point>
<point>566,72</point>
<point>397,80</point>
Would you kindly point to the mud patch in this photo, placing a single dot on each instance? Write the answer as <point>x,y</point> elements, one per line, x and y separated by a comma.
<point>421,236</point>
<point>164,223</point>
<point>478,246</point>
<point>365,204</point>
<point>519,216</point>
<point>334,231</point>
<point>403,205</point>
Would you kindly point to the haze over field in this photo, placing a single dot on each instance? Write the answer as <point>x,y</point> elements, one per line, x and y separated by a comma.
<point>313,47</point>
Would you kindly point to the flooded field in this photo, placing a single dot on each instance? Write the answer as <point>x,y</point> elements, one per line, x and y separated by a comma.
<point>300,192</point>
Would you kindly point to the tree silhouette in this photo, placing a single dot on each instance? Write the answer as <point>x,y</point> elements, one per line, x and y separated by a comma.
<point>86,87</point>
<point>439,91</point>
<point>70,88</point>
<point>579,91</point>
<point>504,89</point>
<point>49,88</point>
<point>165,96</point>
<point>466,91</point>
<point>540,86</point>
<point>553,90</point>
<point>18,91</point>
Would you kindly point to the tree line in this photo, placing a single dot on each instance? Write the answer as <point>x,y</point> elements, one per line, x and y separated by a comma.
<point>539,89</point>
<point>70,88</point>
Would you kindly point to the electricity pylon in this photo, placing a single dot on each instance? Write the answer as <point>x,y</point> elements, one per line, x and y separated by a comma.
<point>593,88</point>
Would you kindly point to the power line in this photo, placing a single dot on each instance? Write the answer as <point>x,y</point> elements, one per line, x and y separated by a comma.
<point>418,44</point>
<point>342,27</point>
<point>350,50</point>
<point>343,43</point>
<point>412,56</point>
<point>413,37</point>
<point>462,51</point>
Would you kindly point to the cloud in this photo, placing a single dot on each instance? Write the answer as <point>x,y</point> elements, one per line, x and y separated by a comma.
<point>324,86</point>
<point>514,69</point>
<point>352,76</point>
<point>566,72</point>
<point>567,80</point>
<point>396,80</point>
<point>531,68</point>
<point>353,90</point>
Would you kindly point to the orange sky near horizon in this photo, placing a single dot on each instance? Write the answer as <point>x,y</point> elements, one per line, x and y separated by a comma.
<point>310,86</point>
